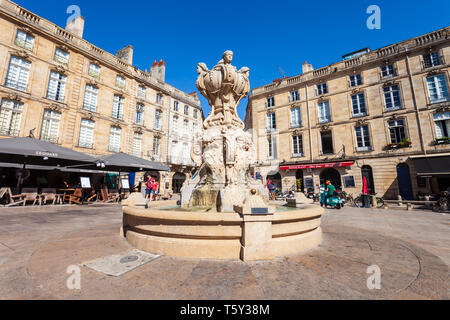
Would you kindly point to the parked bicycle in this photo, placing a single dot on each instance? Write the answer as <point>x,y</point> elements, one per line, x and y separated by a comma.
<point>358,201</point>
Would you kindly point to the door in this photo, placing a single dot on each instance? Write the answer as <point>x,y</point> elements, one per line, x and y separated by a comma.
<point>366,171</point>
<point>404,182</point>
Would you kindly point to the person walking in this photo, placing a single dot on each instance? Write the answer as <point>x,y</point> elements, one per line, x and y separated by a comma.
<point>272,191</point>
<point>155,187</point>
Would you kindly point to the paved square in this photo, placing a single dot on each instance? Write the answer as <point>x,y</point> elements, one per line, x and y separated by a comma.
<point>411,248</point>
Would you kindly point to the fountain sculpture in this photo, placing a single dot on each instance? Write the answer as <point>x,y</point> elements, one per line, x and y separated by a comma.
<point>224,213</point>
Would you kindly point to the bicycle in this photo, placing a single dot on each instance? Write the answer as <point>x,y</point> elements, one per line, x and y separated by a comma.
<point>358,201</point>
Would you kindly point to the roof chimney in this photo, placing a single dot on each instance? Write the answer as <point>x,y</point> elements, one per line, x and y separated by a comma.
<point>76,26</point>
<point>126,54</point>
<point>307,67</point>
<point>158,70</point>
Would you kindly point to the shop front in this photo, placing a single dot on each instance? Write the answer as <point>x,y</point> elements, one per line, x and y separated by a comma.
<point>433,172</point>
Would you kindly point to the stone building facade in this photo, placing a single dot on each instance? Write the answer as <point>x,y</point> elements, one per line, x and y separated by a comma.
<point>376,114</point>
<point>58,87</point>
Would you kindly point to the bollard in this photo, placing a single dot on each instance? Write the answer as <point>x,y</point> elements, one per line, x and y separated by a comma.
<point>374,202</point>
<point>399,197</point>
<point>409,206</point>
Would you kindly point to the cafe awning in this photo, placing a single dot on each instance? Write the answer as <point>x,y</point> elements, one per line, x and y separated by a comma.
<point>317,165</point>
<point>32,151</point>
<point>124,162</point>
<point>433,165</point>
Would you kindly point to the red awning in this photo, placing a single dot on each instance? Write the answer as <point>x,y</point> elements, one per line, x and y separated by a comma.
<point>318,165</point>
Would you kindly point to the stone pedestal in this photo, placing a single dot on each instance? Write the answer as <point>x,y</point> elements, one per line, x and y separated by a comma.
<point>257,237</point>
<point>299,198</point>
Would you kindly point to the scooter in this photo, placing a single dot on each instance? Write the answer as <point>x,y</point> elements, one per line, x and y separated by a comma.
<point>334,201</point>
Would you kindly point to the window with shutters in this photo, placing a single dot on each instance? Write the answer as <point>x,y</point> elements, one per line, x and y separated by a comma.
<point>142,92</point>
<point>24,40</point>
<point>442,124</point>
<point>56,86</point>
<point>140,114</point>
<point>114,139</point>
<point>186,127</point>
<point>117,111</point>
<point>432,59</point>
<point>322,89</point>
<point>10,117</point>
<point>362,138</point>
<point>175,124</point>
<point>272,144</point>
<point>355,80</point>
<point>296,121</point>
<point>90,98</point>
<point>392,98</point>
<point>294,96</point>
<point>297,146</point>
<point>18,74</point>
<point>86,139</point>
<point>437,88</point>
<point>137,144</point>
<point>324,112</point>
<point>359,105</point>
<point>50,126</point>
<point>156,147</point>
<point>159,99</point>
<point>94,70</point>
<point>158,120</point>
<point>271,122</point>
<point>388,71</point>
<point>397,131</point>
<point>120,82</point>
<point>61,56</point>
<point>327,142</point>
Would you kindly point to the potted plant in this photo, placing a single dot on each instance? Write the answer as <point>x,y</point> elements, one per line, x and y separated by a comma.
<point>443,140</point>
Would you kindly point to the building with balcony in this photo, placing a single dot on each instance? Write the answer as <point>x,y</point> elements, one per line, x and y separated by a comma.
<point>382,114</point>
<point>58,87</point>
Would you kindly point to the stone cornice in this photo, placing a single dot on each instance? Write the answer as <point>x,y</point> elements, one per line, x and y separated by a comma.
<point>376,57</point>
<point>26,19</point>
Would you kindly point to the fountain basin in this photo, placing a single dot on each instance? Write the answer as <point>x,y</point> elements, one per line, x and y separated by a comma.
<point>167,230</point>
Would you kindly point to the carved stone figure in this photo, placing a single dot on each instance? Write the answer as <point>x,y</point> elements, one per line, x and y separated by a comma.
<point>225,151</point>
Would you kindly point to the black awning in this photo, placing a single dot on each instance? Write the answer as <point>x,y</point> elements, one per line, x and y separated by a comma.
<point>432,166</point>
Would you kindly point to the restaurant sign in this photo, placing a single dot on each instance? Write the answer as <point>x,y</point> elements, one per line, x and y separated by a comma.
<point>318,165</point>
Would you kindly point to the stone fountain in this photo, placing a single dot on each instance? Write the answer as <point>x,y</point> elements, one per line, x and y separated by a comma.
<point>224,213</point>
<point>224,151</point>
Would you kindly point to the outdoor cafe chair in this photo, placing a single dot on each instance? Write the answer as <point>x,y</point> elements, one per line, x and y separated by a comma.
<point>13,200</point>
<point>50,195</point>
<point>109,197</point>
<point>31,194</point>
<point>75,197</point>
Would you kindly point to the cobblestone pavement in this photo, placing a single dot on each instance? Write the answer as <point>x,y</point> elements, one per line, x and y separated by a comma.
<point>411,248</point>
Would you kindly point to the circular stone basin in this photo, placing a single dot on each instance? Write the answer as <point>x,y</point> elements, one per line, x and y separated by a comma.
<point>200,233</point>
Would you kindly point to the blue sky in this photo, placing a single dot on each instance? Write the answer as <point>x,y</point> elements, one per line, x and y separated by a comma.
<point>264,35</point>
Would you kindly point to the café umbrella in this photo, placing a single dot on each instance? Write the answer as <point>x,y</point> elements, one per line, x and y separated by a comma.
<point>123,162</point>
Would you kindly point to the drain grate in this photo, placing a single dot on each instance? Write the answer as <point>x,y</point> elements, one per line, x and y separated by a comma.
<point>129,259</point>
